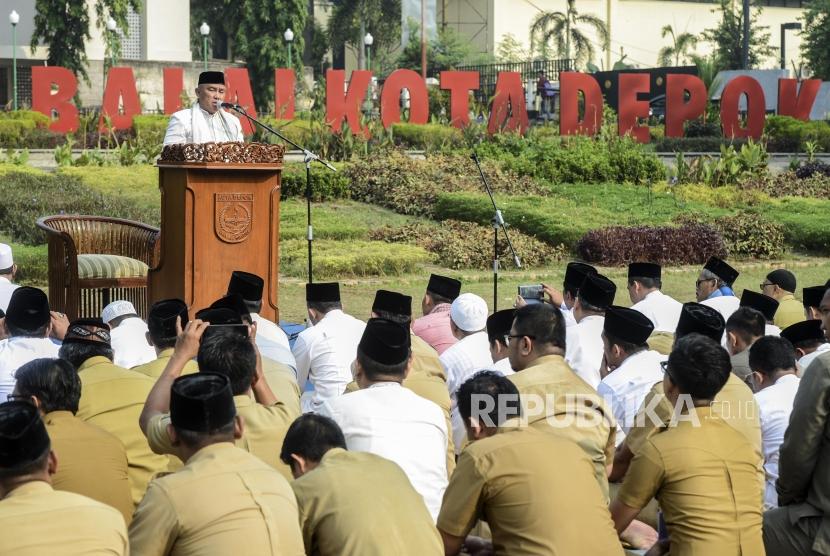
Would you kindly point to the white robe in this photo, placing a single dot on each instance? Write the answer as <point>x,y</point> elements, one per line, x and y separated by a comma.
<point>195,125</point>
<point>583,351</point>
<point>662,310</point>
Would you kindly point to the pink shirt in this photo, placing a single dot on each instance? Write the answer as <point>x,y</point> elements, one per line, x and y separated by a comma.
<point>434,328</point>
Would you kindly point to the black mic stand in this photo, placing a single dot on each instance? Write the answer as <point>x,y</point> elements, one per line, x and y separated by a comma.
<point>308,158</point>
<point>497,222</point>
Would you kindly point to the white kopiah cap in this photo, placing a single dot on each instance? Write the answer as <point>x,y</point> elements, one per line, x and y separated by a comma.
<point>469,312</point>
<point>6,260</point>
<point>117,309</point>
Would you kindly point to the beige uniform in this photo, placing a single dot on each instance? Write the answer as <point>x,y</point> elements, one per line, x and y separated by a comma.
<point>283,383</point>
<point>661,342</point>
<point>91,462</point>
<point>265,428</point>
<point>536,491</point>
<point>36,520</point>
<point>112,398</point>
<point>555,399</point>
<point>708,481</point>
<point>154,368</point>
<point>224,501</point>
<point>790,311</point>
<point>357,503</point>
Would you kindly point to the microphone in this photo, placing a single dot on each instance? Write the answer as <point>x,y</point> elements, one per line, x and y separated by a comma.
<point>226,105</point>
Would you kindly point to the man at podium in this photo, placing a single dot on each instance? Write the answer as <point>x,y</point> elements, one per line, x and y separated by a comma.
<point>205,121</point>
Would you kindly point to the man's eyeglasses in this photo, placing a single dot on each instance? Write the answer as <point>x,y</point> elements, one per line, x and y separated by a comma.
<point>665,366</point>
<point>699,282</point>
<point>509,336</point>
<point>763,285</point>
<point>18,398</point>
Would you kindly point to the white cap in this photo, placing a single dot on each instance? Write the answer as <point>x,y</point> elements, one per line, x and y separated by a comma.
<point>117,309</point>
<point>469,312</point>
<point>6,260</point>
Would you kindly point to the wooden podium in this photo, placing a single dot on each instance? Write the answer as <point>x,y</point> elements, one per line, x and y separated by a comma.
<point>217,217</point>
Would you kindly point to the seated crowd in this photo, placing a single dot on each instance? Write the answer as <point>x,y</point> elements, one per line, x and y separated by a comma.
<point>566,425</point>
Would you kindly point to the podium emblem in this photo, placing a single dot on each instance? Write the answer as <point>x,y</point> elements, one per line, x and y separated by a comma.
<point>233,216</point>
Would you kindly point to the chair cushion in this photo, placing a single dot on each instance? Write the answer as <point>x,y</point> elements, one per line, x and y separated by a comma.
<point>110,266</point>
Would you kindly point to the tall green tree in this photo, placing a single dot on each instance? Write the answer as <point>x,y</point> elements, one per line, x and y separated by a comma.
<point>680,48</point>
<point>563,29</point>
<point>727,38</point>
<point>381,18</point>
<point>510,50</point>
<point>815,38</point>
<point>446,51</point>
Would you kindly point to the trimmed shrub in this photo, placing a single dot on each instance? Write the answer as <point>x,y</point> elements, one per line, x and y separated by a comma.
<point>39,120</point>
<point>13,132</point>
<point>32,263</point>
<point>297,130</point>
<point>695,144</point>
<point>325,184</point>
<point>334,259</point>
<point>816,185</point>
<point>813,168</point>
<point>691,243</point>
<point>748,234</point>
<point>429,137</point>
<point>805,222</point>
<point>787,134</point>
<point>150,124</point>
<point>459,245</point>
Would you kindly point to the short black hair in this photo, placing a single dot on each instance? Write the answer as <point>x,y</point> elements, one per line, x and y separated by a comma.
<point>27,468</point>
<point>375,370</point>
<point>812,343</point>
<point>231,354</point>
<point>500,397</point>
<point>403,320</point>
<point>54,382</point>
<point>646,282</point>
<point>77,353</point>
<point>193,439</point>
<point>438,299</point>
<point>22,332</point>
<point>253,306</point>
<point>747,323</point>
<point>324,306</point>
<point>770,354</point>
<point>588,307</point>
<point>628,347</point>
<point>542,321</point>
<point>699,366</point>
<point>310,436</point>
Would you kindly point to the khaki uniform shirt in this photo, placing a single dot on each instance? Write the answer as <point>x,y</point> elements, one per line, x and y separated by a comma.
<point>265,428</point>
<point>224,501</point>
<point>154,368</point>
<point>112,398</point>
<point>360,504</point>
<point>36,520</point>
<point>661,342</point>
<point>283,383</point>
<point>537,493</point>
<point>91,462</point>
<point>555,399</point>
<point>709,482</point>
<point>790,311</point>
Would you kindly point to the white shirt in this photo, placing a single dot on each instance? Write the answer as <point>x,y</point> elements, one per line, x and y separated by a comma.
<point>775,403</point>
<point>465,358</point>
<point>625,388</point>
<point>725,305</point>
<point>583,344</point>
<point>771,330</point>
<point>129,343</point>
<point>568,313</point>
<point>218,129</point>
<point>503,366</point>
<point>324,354</point>
<point>6,291</point>
<point>397,424</point>
<point>805,361</point>
<point>272,342</point>
<point>16,352</point>
<point>663,311</point>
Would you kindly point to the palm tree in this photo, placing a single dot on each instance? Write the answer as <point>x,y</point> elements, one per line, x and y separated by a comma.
<point>679,49</point>
<point>562,28</point>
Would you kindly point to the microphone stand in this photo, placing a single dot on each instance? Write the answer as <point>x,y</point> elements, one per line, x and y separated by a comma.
<point>497,222</point>
<point>308,158</point>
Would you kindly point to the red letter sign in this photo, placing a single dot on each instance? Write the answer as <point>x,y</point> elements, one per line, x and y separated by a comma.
<point>571,84</point>
<point>630,107</point>
<point>238,91</point>
<point>44,101</point>
<point>340,106</point>
<point>284,80</point>
<point>120,99</point>
<point>797,103</point>
<point>755,108</point>
<point>390,98</point>
<point>173,88</point>
<point>459,84</point>
<point>678,109</point>
<point>508,104</point>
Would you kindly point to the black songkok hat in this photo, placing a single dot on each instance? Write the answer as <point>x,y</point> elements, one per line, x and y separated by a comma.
<point>88,331</point>
<point>644,270</point>
<point>248,285</point>
<point>760,302</point>
<point>702,319</point>
<point>2,314</point>
<point>234,302</point>
<point>201,402</point>
<point>719,268</point>
<point>385,342</point>
<point>23,437</point>
<point>627,325</point>
<point>392,302</point>
<point>322,292</point>
<point>575,274</point>
<point>161,321</point>
<point>211,78</point>
<point>444,286</point>
<point>598,291</point>
<point>803,331</point>
<point>28,308</point>
<point>813,295</point>
<point>784,279</point>
<point>499,324</point>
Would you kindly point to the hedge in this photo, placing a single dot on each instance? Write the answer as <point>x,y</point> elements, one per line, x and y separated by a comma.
<point>334,259</point>
<point>786,134</point>
<point>325,184</point>
<point>805,222</point>
<point>690,243</point>
<point>429,137</point>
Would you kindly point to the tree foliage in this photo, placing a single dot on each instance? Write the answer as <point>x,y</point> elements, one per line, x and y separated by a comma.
<point>511,50</point>
<point>815,38</point>
<point>679,50</point>
<point>381,18</point>
<point>727,38</point>
<point>563,29</point>
<point>446,51</point>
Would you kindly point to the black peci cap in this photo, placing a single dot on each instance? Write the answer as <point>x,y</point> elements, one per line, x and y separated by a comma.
<point>88,331</point>
<point>722,270</point>
<point>248,285</point>
<point>385,342</point>
<point>444,286</point>
<point>627,325</point>
<point>201,402</point>
<point>28,308</point>
<point>700,319</point>
<point>760,302</point>
<point>392,302</point>
<point>322,292</point>
<point>598,291</point>
<point>803,331</point>
<point>499,324</point>
<point>812,296</point>
<point>23,436</point>
<point>161,321</point>
<point>575,274</point>
<point>784,279</point>
<point>211,78</point>
<point>644,270</point>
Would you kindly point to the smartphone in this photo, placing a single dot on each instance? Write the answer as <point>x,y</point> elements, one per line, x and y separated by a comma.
<point>532,293</point>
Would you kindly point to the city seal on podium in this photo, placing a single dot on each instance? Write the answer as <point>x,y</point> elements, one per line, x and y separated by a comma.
<point>233,215</point>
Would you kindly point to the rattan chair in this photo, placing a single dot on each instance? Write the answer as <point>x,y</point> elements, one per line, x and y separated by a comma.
<point>94,260</point>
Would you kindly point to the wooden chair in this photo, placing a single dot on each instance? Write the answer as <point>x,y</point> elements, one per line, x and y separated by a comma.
<point>95,259</point>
